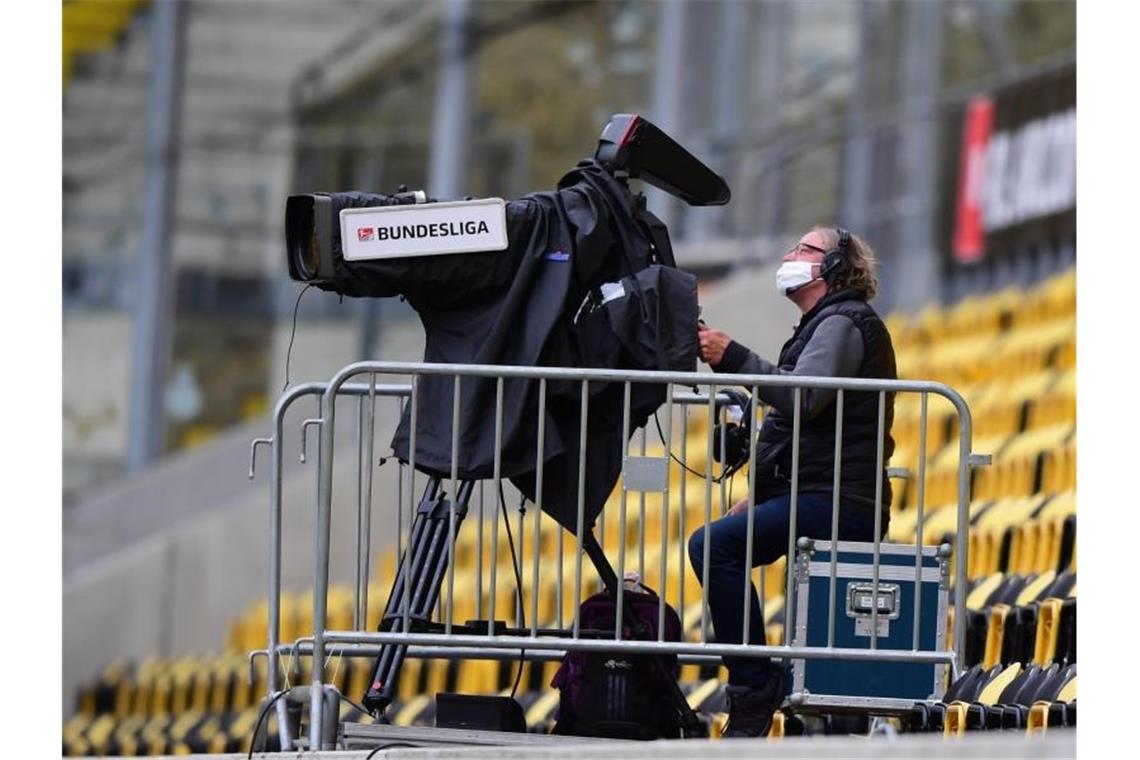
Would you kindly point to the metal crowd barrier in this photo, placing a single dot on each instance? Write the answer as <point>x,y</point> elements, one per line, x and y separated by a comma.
<point>491,645</point>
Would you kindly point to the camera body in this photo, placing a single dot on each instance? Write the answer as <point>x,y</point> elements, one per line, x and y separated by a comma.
<point>629,147</point>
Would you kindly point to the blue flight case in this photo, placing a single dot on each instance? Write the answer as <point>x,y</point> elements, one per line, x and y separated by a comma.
<point>878,686</point>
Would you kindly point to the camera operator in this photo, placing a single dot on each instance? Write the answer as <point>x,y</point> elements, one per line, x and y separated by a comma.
<point>830,276</point>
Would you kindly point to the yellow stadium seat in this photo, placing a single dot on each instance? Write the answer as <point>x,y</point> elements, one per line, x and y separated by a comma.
<point>993,689</point>
<point>995,634</point>
<point>1048,624</point>
<point>1033,589</point>
<point>988,533</point>
<point>977,597</point>
<point>1058,404</point>
<point>1059,470</point>
<point>539,712</point>
<point>1055,297</point>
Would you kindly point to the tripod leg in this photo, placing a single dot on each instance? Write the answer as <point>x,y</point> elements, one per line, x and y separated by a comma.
<point>601,562</point>
<point>429,562</point>
<point>410,564</point>
<point>415,548</point>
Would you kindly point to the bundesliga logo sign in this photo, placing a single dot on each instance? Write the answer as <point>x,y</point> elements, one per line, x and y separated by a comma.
<point>424,229</point>
<point>441,229</point>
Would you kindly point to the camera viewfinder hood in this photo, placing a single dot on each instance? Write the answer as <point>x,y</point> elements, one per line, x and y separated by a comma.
<point>635,145</point>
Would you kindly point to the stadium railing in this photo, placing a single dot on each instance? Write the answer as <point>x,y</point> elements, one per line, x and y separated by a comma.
<point>328,639</point>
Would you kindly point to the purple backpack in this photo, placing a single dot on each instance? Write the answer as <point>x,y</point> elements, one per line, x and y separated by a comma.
<point>615,694</point>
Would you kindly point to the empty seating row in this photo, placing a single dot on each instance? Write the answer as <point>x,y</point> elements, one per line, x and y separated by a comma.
<point>1004,696</point>
<point>1023,621</point>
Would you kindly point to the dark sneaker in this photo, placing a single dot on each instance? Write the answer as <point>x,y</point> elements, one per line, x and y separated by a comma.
<point>750,710</point>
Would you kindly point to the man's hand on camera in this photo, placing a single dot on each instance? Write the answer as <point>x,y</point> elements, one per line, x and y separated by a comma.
<point>739,506</point>
<point>712,343</point>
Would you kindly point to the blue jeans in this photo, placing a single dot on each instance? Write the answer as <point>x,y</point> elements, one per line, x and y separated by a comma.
<point>727,573</point>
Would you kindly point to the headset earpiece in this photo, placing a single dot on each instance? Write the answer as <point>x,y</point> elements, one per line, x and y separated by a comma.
<point>836,261</point>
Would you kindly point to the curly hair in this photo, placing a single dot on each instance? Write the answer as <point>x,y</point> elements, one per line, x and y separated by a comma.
<point>860,275</point>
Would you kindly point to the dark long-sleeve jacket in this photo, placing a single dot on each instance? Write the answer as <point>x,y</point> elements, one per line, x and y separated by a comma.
<point>841,336</point>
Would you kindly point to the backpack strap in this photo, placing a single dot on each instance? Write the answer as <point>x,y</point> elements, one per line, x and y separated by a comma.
<point>658,233</point>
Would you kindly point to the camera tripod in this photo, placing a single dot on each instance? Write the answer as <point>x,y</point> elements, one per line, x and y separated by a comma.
<point>420,576</point>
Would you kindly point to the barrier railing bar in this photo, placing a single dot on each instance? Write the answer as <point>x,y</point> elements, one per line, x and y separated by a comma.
<point>764,569</point>
<point>370,452</point>
<point>640,521</point>
<point>751,520</point>
<point>601,524</point>
<point>723,418</point>
<point>664,521</point>
<point>618,609</point>
<point>560,582</point>
<point>790,559</point>
<point>479,552</point>
<point>583,423</point>
<point>538,467</point>
<point>961,543</point>
<point>639,647</point>
<point>835,517</point>
<point>453,497</point>
<point>304,648</point>
<point>880,444</point>
<point>682,536</point>
<point>412,420</point>
<point>708,514</point>
<point>519,567</point>
<point>400,406</point>
<point>605,375</point>
<point>918,542</point>
<point>497,497</point>
<point>322,539</point>
<point>360,467</point>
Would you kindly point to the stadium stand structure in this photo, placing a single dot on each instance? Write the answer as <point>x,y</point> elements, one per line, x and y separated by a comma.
<point>1012,354</point>
<point>93,25</point>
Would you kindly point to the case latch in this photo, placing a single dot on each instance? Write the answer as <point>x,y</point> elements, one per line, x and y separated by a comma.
<point>860,605</point>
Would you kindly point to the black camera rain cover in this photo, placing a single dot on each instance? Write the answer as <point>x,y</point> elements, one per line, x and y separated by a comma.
<point>516,307</point>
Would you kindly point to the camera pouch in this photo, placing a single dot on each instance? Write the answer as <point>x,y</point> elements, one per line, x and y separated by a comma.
<point>645,321</point>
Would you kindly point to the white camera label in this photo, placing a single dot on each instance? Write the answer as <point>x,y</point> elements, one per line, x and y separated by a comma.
<point>429,229</point>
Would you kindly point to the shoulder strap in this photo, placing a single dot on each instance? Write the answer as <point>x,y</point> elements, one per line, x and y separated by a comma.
<point>659,234</point>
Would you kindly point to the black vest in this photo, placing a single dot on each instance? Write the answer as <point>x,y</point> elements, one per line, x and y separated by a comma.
<point>817,435</point>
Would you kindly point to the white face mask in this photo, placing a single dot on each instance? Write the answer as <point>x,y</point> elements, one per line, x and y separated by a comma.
<point>793,274</point>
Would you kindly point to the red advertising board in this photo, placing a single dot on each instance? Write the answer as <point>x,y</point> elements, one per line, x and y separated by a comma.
<point>969,235</point>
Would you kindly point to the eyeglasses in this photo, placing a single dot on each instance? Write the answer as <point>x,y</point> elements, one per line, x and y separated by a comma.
<point>802,248</point>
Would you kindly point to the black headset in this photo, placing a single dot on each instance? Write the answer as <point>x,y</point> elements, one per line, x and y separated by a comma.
<point>837,260</point>
<point>736,436</point>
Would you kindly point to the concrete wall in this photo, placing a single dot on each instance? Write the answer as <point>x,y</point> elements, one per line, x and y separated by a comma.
<point>162,563</point>
<point>96,370</point>
<point>177,590</point>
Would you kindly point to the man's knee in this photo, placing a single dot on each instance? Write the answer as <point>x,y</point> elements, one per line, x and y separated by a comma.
<point>697,548</point>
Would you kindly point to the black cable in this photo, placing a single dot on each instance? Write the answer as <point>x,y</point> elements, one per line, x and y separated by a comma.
<point>389,745</point>
<point>357,705</point>
<point>293,334</point>
<point>728,472</point>
<point>518,582</point>
<point>265,711</point>
<point>260,718</point>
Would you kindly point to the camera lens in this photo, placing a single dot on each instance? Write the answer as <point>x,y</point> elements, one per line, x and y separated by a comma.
<point>301,240</point>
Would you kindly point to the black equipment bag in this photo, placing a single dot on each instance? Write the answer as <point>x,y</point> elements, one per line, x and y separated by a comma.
<point>613,694</point>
